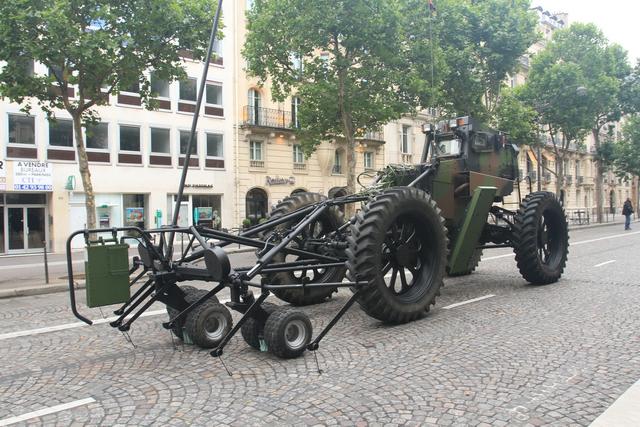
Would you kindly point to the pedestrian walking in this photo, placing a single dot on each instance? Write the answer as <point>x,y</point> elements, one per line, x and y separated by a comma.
<point>627,210</point>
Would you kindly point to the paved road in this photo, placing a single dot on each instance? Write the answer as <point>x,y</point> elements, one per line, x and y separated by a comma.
<point>559,354</point>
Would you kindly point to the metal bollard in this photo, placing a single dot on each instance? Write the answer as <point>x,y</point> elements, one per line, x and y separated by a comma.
<point>46,263</point>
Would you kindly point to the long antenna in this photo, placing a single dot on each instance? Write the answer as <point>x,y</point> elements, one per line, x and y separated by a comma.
<point>431,9</point>
<point>194,124</point>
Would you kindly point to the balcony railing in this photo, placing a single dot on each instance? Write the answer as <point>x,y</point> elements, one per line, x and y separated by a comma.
<point>337,169</point>
<point>267,117</point>
<point>406,158</point>
<point>579,180</point>
<point>299,166</point>
<point>373,136</point>
<point>546,177</point>
<point>256,163</point>
<point>568,179</point>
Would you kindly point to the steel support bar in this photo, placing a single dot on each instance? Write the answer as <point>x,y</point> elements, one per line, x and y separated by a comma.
<point>121,310</point>
<point>314,285</point>
<point>217,352</point>
<point>266,258</point>
<point>313,346</point>
<point>133,306</point>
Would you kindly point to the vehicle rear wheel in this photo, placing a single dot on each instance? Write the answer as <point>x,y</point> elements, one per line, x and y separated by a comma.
<point>398,246</point>
<point>330,221</point>
<point>287,332</point>
<point>207,324</point>
<point>541,238</point>
<point>192,294</point>
<point>252,329</point>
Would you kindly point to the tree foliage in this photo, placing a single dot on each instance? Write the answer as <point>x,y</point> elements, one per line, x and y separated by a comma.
<point>516,118</point>
<point>627,151</point>
<point>354,75</point>
<point>576,84</point>
<point>480,43</point>
<point>96,48</point>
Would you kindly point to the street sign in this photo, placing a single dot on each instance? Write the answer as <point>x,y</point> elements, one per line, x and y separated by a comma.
<point>32,176</point>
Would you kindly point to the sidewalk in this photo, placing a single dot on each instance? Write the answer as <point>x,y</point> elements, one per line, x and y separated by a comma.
<point>36,286</point>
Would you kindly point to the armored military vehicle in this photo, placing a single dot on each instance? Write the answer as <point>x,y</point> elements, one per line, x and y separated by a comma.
<point>414,225</point>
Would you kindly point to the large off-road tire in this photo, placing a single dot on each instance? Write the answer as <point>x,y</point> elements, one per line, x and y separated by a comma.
<point>330,221</point>
<point>473,264</point>
<point>192,294</point>
<point>541,238</point>
<point>252,329</point>
<point>400,232</point>
<point>207,324</point>
<point>287,332</point>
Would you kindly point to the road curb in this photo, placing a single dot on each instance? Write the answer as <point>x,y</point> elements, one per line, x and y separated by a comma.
<point>598,225</point>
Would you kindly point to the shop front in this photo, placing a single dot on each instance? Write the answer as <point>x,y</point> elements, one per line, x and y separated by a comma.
<point>24,205</point>
<point>23,219</point>
<point>197,209</point>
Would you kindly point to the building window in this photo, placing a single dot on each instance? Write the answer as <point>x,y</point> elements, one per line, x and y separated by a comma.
<point>298,158</point>
<point>217,50</point>
<point>55,72</point>
<point>97,136</point>
<point>368,160</point>
<point>184,142</point>
<point>296,62</point>
<point>295,106</point>
<point>215,145</point>
<point>257,205</point>
<point>214,94</point>
<point>21,129</point>
<point>255,154</point>
<point>133,88</point>
<point>160,141</point>
<point>61,133</point>
<point>213,100</point>
<point>254,102</point>
<point>406,147</point>
<point>337,162</point>
<point>159,87</point>
<point>189,90</point>
<point>130,138</point>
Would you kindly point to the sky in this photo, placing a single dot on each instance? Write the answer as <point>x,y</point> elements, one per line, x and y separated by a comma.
<point>619,20</point>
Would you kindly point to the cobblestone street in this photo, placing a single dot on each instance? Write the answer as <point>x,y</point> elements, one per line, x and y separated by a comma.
<point>522,355</point>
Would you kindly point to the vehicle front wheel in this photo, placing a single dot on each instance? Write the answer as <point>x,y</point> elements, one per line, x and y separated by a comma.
<point>541,238</point>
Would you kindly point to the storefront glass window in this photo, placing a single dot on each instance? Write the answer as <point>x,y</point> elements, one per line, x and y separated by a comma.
<point>206,211</point>
<point>257,206</point>
<point>134,210</point>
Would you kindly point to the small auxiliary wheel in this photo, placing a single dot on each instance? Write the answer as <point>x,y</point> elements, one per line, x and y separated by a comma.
<point>287,332</point>
<point>192,294</point>
<point>252,329</point>
<point>207,324</point>
<point>541,238</point>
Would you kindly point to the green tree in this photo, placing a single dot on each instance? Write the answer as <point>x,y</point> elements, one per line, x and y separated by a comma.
<point>97,48</point>
<point>556,91</point>
<point>479,43</point>
<point>627,151</point>
<point>353,75</point>
<point>517,119</point>
<point>603,70</point>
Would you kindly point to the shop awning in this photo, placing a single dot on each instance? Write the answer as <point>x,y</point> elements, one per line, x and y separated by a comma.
<point>532,158</point>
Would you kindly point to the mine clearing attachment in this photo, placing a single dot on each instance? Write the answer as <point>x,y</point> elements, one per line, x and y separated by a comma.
<point>415,225</point>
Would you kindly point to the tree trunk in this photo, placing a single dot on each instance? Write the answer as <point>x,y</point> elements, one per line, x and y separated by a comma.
<point>85,174</point>
<point>559,174</point>
<point>598,178</point>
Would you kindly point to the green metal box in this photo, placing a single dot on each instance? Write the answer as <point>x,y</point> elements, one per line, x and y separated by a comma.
<point>107,274</point>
